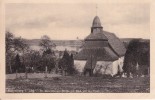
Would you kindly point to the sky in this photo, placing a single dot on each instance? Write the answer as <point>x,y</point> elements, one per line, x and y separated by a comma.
<point>67,21</point>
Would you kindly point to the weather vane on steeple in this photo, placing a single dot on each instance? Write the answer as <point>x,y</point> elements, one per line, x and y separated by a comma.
<point>96,9</point>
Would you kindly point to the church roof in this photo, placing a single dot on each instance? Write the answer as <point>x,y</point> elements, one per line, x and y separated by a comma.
<point>115,43</point>
<point>95,44</point>
<point>96,22</point>
<point>101,54</point>
<point>96,36</point>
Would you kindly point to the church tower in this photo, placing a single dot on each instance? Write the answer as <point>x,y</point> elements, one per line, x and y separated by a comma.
<point>100,48</point>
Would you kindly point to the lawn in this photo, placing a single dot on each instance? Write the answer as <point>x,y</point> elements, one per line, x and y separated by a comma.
<point>78,84</point>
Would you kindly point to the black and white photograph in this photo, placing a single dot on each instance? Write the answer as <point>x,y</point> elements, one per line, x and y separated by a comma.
<point>84,47</point>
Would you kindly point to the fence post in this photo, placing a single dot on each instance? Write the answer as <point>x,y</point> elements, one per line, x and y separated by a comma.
<point>16,74</point>
<point>46,72</point>
<point>26,72</point>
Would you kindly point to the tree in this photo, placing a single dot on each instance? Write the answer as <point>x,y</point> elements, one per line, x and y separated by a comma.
<point>18,64</point>
<point>19,45</point>
<point>64,62</point>
<point>32,60</point>
<point>9,53</point>
<point>48,61</point>
<point>46,43</point>
<point>14,45</point>
<point>48,55</point>
<point>144,58</point>
<point>71,60</point>
<point>131,57</point>
<point>10,60</point>
<point>9,40</point>
<point>71,70</point>
<point>67,63</point>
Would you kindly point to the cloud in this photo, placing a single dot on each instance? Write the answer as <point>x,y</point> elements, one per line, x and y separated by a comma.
<point>68,19</point>
<point>126,14</point>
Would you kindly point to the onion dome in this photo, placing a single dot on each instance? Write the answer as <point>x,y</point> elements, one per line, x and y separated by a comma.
<point>96,22</point>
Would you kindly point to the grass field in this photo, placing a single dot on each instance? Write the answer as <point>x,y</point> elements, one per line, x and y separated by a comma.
<point>78,84</point>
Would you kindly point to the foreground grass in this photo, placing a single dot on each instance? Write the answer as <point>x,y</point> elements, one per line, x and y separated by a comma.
<point>78,84</point>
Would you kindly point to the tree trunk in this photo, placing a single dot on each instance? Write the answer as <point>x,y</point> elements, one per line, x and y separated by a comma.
<point>10,68</point>
<point>16,74</point>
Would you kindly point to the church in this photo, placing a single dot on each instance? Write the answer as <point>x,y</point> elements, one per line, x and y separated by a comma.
<point>102,52</point>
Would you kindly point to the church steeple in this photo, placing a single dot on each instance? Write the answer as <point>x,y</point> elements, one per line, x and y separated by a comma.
<point>96,31</point>
<point>96,25</point>
<point>96,22</point>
